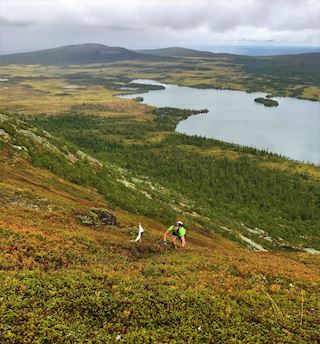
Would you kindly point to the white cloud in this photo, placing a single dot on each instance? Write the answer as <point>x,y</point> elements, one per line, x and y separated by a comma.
<point>148,23</point>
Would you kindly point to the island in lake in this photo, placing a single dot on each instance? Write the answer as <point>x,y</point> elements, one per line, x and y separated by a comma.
<point>138,99</point>
<point>266,101</point>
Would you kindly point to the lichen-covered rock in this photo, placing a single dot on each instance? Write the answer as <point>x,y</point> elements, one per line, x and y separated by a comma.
<point>96,217</point>
<point>4,136</point>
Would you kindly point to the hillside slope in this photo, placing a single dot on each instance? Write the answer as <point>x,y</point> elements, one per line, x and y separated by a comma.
<point>242,193</point>
<point>69,276</point>
<point>305,66</point>
<point>74,54</point>
<point>183,52</point>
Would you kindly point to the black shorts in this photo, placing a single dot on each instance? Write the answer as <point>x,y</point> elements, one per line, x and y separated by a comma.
<point>177,235</point>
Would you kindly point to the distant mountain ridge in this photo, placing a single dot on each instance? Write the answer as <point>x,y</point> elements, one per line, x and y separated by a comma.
<point>75,54</point>
<point>98,53</point>
<point>183,52</point>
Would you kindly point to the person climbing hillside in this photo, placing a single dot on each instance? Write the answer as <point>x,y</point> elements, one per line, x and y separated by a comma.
<point>177,230</point>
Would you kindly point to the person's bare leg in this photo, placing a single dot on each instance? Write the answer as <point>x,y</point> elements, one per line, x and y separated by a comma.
<point>174,239</point>
<point>183,242</point>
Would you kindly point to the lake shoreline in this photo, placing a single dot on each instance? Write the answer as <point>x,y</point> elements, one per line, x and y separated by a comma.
<point>203,87</point>
<point>141,91</point>
<point>238,95</point>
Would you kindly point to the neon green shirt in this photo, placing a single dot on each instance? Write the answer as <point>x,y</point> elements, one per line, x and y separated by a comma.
<point>181,231</point>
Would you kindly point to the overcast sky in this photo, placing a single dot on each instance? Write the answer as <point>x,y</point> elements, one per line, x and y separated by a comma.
<point>27,25</point>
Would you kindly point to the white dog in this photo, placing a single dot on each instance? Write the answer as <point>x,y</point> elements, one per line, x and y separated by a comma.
<point>138,238</point>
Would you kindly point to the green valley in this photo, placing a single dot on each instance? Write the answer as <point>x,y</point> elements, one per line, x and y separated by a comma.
<point>80,168</point>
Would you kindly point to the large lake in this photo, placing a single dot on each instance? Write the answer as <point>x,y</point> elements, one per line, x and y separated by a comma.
<point>292,129</point>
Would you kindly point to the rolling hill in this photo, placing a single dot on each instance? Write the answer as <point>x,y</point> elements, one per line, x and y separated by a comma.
<point>183,52</point>
<point>306,64</point>
<point>74,54</point>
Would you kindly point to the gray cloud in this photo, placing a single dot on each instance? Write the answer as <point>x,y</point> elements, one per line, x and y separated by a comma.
<point>6,21</point>
<point>138,23</point>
